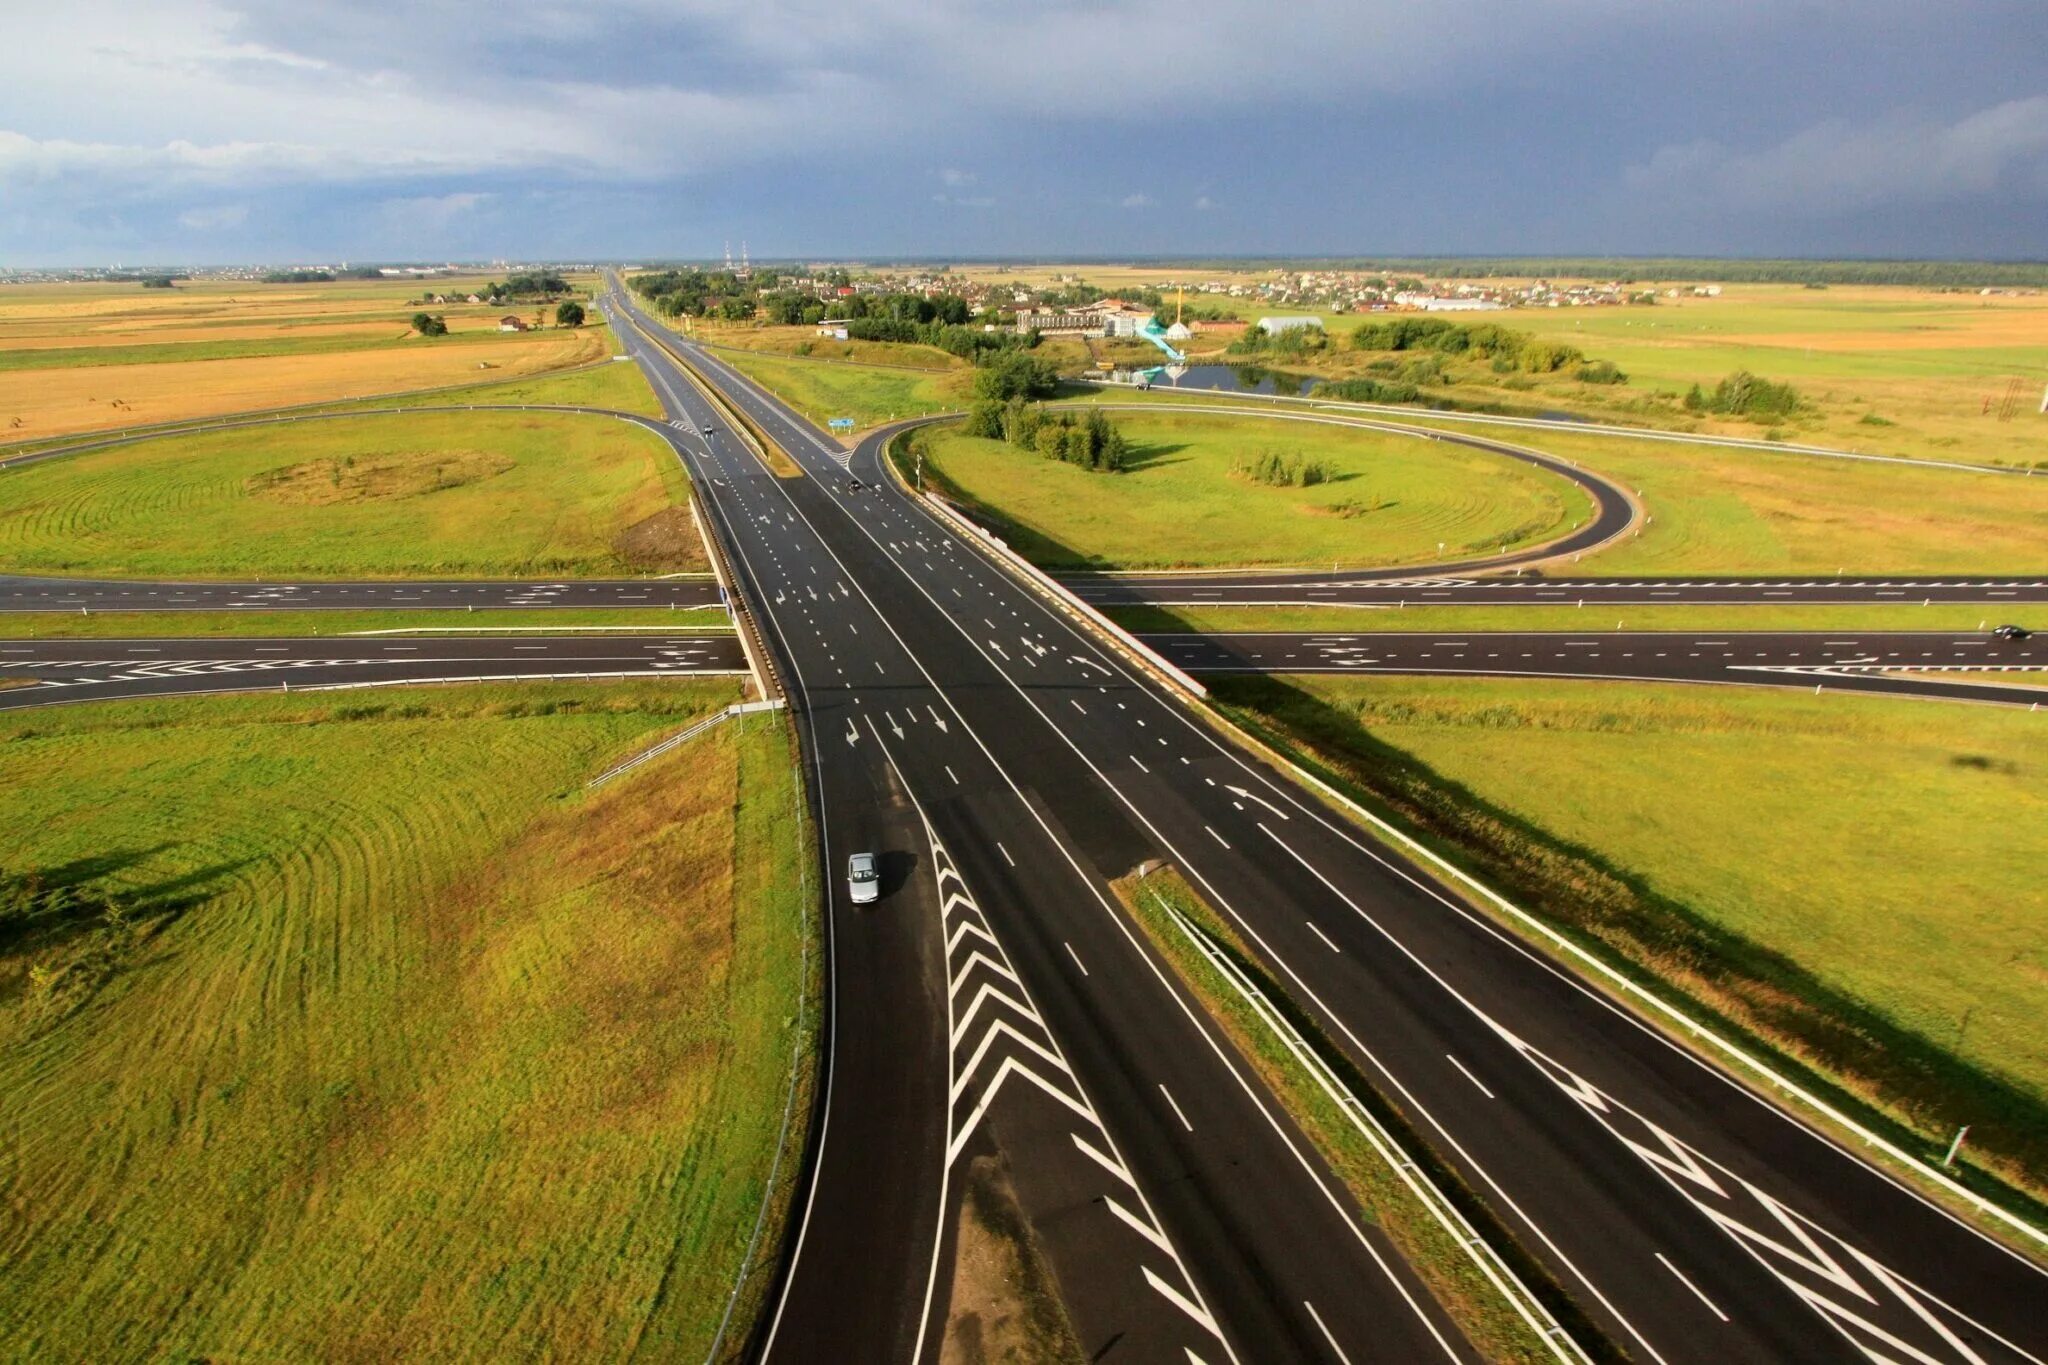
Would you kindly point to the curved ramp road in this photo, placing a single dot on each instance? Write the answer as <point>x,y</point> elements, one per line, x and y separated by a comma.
<point>111,594</point>
<point>1850,661</point>
<point>49,672</point>
<point>998,756</point>
<point>1408,588</point>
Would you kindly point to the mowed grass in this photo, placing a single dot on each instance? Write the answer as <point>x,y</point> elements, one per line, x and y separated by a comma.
<point>1390,499</point>
<point>822,390</point>
<point>406,1046</point>
<point>1853,878</point>
<point>1960,617</point>
<point>1720,511</point>
<point>481,493</point>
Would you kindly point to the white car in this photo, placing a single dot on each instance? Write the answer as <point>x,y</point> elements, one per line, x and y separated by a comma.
<point>863,879</point>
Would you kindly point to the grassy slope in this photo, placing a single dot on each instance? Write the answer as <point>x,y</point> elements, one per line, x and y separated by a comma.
<point>1760,512</point>
<point>1963,617</point>
<point>1178,504</point>
<point>1854,878</point>
<point>869,396</point>
<point>414,1049</point>
<point>564,491</point>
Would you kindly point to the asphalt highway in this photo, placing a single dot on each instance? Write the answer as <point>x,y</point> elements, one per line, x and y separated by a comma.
<point>1427,588</point>
<point>50,672</point>
<point>997,1007</point>
<point>22,593</point>
<point>1951,666</point>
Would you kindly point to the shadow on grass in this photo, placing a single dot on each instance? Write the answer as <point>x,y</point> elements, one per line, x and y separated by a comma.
<point>51,908</point>
<point>1752,991</point>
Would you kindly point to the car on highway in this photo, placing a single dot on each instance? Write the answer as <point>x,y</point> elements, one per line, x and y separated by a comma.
<point>863,879</point>
<point>2010,632</point>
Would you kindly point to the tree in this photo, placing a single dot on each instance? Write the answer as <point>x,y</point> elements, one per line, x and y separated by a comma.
<point>427,325</point>
<point>569,313</point>
<point>1013,374</point>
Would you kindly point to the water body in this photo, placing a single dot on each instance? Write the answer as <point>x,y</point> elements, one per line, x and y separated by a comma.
<point>1227,379</point>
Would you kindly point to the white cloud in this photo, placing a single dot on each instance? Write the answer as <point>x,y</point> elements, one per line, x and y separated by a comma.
<point>956,178</point>
<point>1204,202</point>
<point>214,218</point>
<point>1837,166</point>
<point>431,212</point>
<point>1137,201</point>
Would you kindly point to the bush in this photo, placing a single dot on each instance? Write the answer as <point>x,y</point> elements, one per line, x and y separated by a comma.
<point>428,325</point>
<point>569,313</point>
<point>1743,394</point>
<point>1601,372</point>
<point>1278,470</point>
<point>1093,442</point>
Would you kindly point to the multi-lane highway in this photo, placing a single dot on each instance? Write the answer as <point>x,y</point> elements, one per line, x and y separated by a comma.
<point>998,1004</point>
<point>1930,664</point>
<point>49,672</point>
<point>24,593</point>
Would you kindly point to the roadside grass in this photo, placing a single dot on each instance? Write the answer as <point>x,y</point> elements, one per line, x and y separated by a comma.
<point>618,385</point>
<point>1384,1201</point>
<point>805,343</point>
<point>1848,880</point>
<point>472,494</point>
<point>1714,510</point>
<point>400,1043</point>
<point>57,625</point>
<point>1389,500</point>
<point>869,395</point>
<point>1959,617</point>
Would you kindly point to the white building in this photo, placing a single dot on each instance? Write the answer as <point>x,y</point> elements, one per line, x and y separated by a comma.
<point>1461,306</point>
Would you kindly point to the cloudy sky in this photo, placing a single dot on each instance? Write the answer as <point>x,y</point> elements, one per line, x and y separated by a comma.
<point>274,130</point>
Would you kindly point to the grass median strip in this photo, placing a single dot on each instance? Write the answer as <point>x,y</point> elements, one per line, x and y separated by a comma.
<point>1357,1135</point>
<point>57,625</point>
<point>384,1038</point>
<point>1844,882</point>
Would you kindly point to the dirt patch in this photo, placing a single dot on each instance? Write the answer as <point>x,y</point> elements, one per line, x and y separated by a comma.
<point>1005,1306</point>
<point>378,476</point>
<point>666,541</point>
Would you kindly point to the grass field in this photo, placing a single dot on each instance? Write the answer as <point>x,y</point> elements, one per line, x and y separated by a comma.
<point>869,395</point>
<point>618,385</point>
<point>400,1045</point>
<point>1960,617</point>
<point>1391,500</point>
<point>89,357</point>
<point>483,494</point>
<point>1853,879</point>
<point>57,625</point>
<point>806,343</point>
<point>1714,510</point>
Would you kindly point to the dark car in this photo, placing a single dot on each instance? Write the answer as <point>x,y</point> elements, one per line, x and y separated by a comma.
<point>2012,632</point>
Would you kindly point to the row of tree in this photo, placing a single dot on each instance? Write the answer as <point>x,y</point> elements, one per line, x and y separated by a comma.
<point>1508,349</point>
<point>1743,394</point>
<point>1091,442</point>
<point>1279,469</point>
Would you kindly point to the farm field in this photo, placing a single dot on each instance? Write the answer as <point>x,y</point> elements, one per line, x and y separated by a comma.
<point>869,395</point>
<point>88,357</point>
<point>475,494</point>
<point>1944,616</point>
<point>1390,500</point>
<point>400,1043</point>
<point>1709,835</point>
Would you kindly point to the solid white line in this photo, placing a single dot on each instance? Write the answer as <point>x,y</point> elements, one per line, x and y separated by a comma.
<point>1074,955</point>
<point>1324,1329</point>
<point>1468,1075</point>
<point>1693,1287</point>
<point>1176,1109</point>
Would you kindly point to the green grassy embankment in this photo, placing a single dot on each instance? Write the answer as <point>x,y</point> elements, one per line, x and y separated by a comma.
<point>400,1043</point>
<point>1850,880</point>
<point>1388,500</point>
<point>472,494</point>
<point>1959,617</point>
<point>869,395</point>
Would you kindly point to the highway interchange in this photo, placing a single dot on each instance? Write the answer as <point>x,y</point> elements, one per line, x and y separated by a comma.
<point>999,1006</point>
